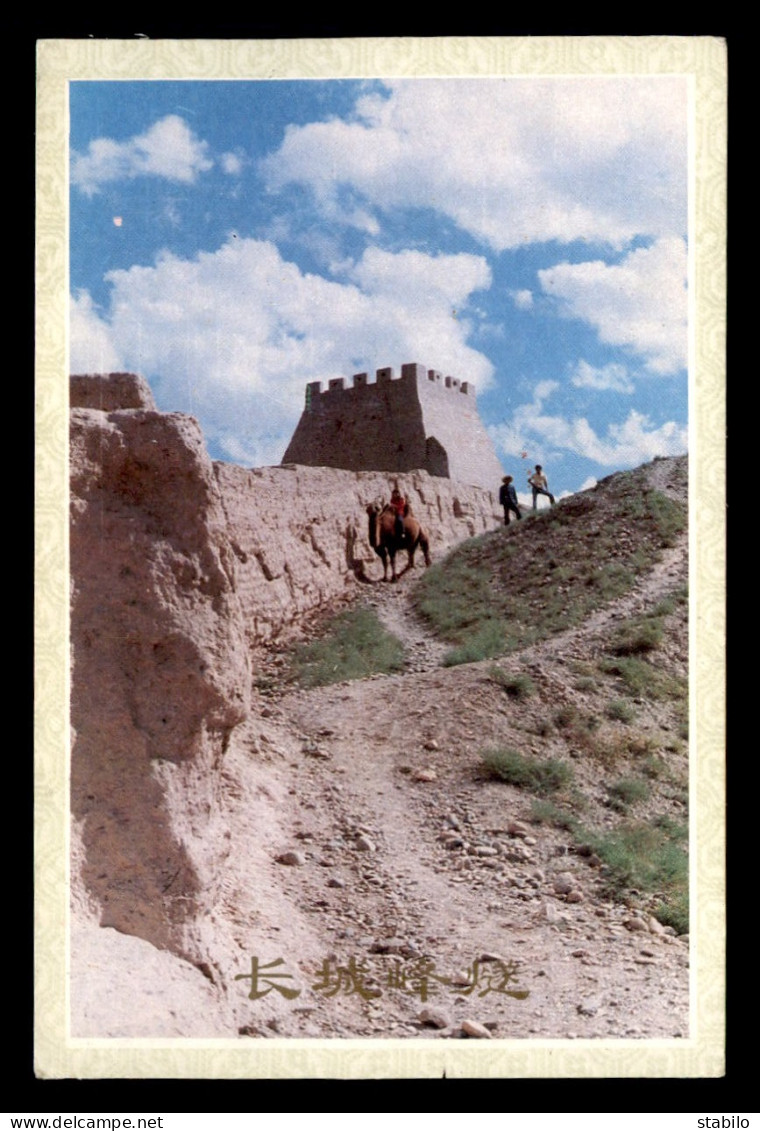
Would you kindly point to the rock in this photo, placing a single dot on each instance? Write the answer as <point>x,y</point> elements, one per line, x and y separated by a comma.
<point>424,775</point>
<point>364,844</point>
<point>514,828</point>
<point>550,913</point>
<point>292,858</point>
<point>564,883</point>
<point>634,924</point>
<point>588,1008</point>
<point>575,896</point>
<point>392,945</point>
<point>475,1029</point>
<point>433,1017</point>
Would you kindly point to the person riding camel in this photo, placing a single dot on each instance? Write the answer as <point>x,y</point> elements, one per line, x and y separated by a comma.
<point>398,505</point>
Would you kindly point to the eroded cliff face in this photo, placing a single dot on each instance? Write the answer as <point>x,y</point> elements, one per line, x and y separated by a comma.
<point>160,667</point>
<point>180,569</point>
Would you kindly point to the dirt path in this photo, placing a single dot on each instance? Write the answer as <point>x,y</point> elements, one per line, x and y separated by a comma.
<point>409,862</point>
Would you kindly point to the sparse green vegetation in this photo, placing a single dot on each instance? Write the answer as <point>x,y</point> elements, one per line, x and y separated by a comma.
<point>626,792</point>
<point>638,860</point>
<point>548,813</point>
<point>355,645</point>
<point>585,683</point>
<point>566,716</point>
<point>487,641</point>
<point>642,680</point>
<point>653,766</point>
<point>675,912</point>
<point>618,710</point>
<point>517,685</point>
<point>538,776</point>
<point>651,859</point>
<point>637,636</point>
<point>513,587</point>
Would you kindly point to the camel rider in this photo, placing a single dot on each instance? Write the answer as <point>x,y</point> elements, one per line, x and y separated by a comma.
<point>398,505</point>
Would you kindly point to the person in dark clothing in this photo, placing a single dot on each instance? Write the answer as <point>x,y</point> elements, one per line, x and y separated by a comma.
<point>508,498</point>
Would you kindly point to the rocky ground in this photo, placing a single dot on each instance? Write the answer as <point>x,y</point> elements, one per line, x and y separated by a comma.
<point>378,886</point>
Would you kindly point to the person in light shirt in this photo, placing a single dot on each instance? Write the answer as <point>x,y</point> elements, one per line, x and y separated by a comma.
<point>540,485</point>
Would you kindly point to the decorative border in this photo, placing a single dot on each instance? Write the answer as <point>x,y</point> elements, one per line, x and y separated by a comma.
<point>704,60</point>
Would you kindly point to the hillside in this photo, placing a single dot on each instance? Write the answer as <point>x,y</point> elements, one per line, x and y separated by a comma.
<point>498,842</point>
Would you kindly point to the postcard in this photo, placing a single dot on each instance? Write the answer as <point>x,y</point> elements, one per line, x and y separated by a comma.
<point>380,577</point>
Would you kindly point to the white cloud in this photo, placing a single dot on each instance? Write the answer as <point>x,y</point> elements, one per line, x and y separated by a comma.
<point>509,160</point>
<point>91,349</point>
<point>233,336</point>
<point>231,163</point>
<point>639,303</point>
<point>523,300</point>
<point>168,149</point>
<point>610,378</point>
<point>628,444</point>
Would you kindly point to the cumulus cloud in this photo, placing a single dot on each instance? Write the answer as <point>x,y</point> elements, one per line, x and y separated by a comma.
<point>231,163</point>
<point>168,149</point>
<point>639,303</point>
<point>533,160</point>
<point>523,300</point>
<point>609,378</point>
<point>233,336</point>
<point>91,349</point>
<point>634,441</point>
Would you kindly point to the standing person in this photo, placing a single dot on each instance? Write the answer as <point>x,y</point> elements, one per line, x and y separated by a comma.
<point>540,485</point>
<point>508,499</point>
<point>398,503</point>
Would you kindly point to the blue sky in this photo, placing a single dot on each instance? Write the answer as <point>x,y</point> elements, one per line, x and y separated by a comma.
<point>232,241</point>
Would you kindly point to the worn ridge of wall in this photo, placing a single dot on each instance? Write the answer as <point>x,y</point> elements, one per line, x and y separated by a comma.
<point>396,424</point>
<point>300,534</point>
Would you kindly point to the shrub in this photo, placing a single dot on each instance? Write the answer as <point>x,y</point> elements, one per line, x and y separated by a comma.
<point>674,912</point>
<point>585,683</point>
<point>641,680</point>
<point>643,634</point>
<point>619,711</point>
<point>540,777</point>
<point>484,644</point>
<point>566,716</point>
<point>516,684</point>
<point>354,646</point>
<point>628,791</point>
<point>547,813</point>
<point>646,857</point>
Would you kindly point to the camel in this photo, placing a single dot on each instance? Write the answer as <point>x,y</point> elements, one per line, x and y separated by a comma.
<point>386,543</point>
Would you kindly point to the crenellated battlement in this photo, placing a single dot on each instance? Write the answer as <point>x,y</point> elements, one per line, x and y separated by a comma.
<point>411,373</point>
<point>396,423</point>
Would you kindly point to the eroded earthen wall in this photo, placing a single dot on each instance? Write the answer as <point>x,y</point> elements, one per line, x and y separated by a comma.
<point>300,534</point>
